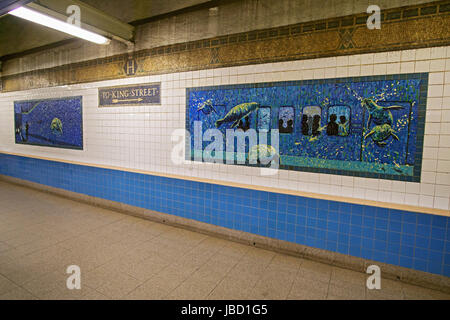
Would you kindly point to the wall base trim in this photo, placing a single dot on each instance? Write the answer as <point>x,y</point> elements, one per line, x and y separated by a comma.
<point>411,276</point>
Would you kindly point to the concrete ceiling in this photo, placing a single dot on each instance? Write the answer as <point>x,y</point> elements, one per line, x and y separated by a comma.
<point>18,35</point>
<point>133,10</point>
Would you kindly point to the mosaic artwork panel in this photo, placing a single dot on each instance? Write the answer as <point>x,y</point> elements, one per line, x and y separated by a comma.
<point>365,126</point>
<point>50,122</point>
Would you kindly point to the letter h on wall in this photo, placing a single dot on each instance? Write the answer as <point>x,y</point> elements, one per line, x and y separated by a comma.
<point>130,67</point>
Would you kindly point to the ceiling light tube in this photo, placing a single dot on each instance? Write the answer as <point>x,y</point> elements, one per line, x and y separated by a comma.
<point>37,17</point>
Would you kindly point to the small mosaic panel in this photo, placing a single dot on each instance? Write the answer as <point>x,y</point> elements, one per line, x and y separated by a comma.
<point>365,126</point>
<point>51,122</point>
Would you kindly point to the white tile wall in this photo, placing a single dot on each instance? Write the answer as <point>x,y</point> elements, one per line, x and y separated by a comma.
<point>140,137</point>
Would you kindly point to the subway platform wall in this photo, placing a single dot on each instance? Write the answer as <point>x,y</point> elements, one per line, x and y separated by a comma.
<point>128,151</point>
<point>402,238</point>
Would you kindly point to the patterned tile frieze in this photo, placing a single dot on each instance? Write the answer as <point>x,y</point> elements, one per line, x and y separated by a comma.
<point>401,28</point>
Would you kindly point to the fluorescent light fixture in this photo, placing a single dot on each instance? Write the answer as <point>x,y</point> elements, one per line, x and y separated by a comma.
<point>37,17</point>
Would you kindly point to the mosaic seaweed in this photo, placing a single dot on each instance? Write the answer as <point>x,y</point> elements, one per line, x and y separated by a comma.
<point>50,122</point>
<point>364,126</point>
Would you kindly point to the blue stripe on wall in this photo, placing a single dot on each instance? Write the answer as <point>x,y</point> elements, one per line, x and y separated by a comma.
<point>412,240</point>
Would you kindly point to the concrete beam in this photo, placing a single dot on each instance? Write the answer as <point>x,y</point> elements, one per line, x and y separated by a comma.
<point>8,5</point>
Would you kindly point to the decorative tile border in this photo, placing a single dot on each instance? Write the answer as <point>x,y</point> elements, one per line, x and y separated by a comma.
<point>402,28</point>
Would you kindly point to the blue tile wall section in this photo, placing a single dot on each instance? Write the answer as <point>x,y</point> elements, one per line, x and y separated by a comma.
<point>407,239</point>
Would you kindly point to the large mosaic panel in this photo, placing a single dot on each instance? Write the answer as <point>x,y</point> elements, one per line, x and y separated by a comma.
<point>364,126</point>
<point>50,122</point>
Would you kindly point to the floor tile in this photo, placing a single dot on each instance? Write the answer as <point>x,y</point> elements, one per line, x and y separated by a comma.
<point>126,257</point>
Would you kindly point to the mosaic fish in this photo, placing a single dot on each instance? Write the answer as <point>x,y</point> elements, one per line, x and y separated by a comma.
<point>397,167</point>
<point>379,114</point>
<point>56,126</point>
<point>237,113</point>
<point>206,107</point>
<point>263,153</point>
<point>380,133</point>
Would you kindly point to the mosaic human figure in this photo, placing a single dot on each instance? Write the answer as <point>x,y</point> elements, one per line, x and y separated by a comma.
<point>304,125</point>
<point>343,126</point>
<point>332,126</point>
<point>316,125</point>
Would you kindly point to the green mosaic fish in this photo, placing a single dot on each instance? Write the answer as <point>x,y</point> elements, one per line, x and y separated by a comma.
<point>379,114</point>
<point>56,126</point>
<point>238,113</point>
<point>381,133</point>
<point>263,152</point>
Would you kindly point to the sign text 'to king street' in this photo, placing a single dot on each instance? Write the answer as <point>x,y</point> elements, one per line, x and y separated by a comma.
<point>131,95</point>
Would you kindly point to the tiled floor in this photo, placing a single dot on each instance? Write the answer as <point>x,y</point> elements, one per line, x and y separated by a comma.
<point>123,257</point>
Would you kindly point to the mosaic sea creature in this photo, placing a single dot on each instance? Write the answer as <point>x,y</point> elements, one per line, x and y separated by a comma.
<point>236,114</point>
<point>379,114</point>
<point>56,126</point>
<point>397,167</point>
<point>381,133</point>
<point>263,153</point>
<point>206,107</point>
<point>34,107</point>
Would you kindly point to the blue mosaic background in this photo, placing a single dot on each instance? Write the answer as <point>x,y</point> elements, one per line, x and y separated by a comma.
<point>50,122</point>
<point>407,239</point>
<point>377,130</point>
